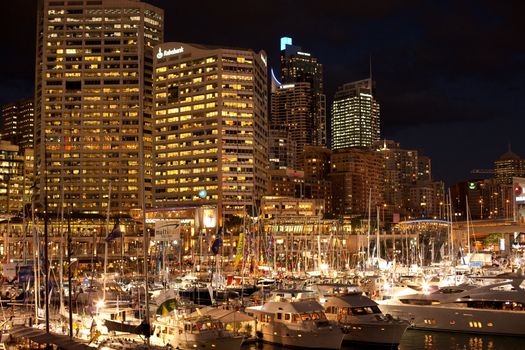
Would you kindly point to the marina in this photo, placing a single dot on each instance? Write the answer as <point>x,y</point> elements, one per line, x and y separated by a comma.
<point>299,282</point>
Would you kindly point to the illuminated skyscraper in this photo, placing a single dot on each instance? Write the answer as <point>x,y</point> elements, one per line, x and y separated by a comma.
<point>355,115</point>
<point>16,175</point>
<point>210,126</point>
<point>93,99</point>
<point>18,123</point>
<point>509,165</point>
<point>291,112</point>
<point>299,66</point>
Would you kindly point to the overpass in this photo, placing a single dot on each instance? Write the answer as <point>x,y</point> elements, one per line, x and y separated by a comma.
<point>484,228</point>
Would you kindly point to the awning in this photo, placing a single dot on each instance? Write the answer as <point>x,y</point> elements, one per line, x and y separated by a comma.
<point>40,336</point>
<point>223,315</point>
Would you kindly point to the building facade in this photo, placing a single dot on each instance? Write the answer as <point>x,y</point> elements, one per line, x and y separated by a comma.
<point>299,66</point>
<point>93,100</point>
<point>292,112</point>
<point>18,123</point>
<point>357,181</point>
<point>210,126</point>
<point>286,182</point>
<point>509,165</point>
<point>317,168</point>
<point>400,173</point>
<point>281,150</point>
<point>16,177</point>
<point>355,115</point>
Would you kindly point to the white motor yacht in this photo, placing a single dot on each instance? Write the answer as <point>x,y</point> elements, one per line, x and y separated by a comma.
<point>193,332</point>
<point>497,308</point>
<point>295,318</point>
<point>359,316</point>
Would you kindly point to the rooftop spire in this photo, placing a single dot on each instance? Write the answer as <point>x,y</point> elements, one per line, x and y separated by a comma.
<point>370,66</point>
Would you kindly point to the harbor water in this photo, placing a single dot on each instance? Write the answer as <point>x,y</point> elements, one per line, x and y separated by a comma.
<point>426,340</point>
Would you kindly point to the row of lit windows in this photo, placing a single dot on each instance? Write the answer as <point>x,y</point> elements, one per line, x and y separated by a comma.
<point>189,189</point>
<point>95,106</point>
<point>78,119</point>
<point>203,142</point>
<point>73,147</point>
<point>181,74</point>
<point>189,198</point>
<point>198,152</point>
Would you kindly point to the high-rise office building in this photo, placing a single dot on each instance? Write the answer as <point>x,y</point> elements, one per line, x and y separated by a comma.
<point>357,176</point>
<point>509,165</point>
<point>299,66</point>
<point>424,168</point>
<point>355,115</point>
<point>281,150</point>
<point>400,174</point>
<point>316,175</point>
<point>93,100</point>
<point>18,123</point>
<point>291,111</point>
<point>16,170</point>
<point>211,127</point>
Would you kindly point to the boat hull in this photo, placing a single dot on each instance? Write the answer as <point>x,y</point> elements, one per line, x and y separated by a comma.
<point>321,339</point>
<point>456,319</point>
<point>226,343</point>
<point>376,334</point>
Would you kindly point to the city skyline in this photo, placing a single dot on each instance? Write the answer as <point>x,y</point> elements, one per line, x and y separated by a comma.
<point>447,75</point>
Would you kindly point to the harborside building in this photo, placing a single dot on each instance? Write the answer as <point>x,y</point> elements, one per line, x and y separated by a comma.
<point>93,99</point>
<point>210,127</point>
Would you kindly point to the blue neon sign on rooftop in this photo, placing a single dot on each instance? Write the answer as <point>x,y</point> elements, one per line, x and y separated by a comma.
<point>285,41</point>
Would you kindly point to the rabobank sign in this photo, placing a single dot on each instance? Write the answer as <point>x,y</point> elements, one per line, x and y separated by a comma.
<point>174,51</point>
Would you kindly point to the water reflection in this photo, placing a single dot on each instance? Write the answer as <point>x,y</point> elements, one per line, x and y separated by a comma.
<point>425,340</point>
<point>439,340</point>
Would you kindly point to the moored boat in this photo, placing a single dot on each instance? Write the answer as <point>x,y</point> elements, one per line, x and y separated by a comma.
<point>497,308</point>
<point>359,316</point>
<point>294,318</point>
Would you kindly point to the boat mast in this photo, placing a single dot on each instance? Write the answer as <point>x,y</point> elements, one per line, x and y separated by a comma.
<point>69,252</point>
<point>369,220</point>
<point>106,245</point>
<point>468,225</point>
<point>378,247</point>
<point>46,254</point>
<point>61,249</point>
<point>36,257</point>
<point>450,219</point>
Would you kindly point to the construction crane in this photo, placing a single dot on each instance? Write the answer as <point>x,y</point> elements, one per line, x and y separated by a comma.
<point>483,171</point>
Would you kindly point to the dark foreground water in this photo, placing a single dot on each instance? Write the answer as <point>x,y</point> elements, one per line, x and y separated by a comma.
<point>425,340</point>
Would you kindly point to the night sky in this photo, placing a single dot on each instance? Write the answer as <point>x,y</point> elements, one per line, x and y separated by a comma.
<point>449,73</point>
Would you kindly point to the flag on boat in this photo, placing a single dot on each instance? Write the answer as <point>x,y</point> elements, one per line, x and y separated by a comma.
<point>240,250</point>
<point>115,233</point>
<point>217,243</point>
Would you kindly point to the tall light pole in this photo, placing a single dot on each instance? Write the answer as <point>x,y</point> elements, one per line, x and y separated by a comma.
<point>7,178</point>
<point>481,209</point>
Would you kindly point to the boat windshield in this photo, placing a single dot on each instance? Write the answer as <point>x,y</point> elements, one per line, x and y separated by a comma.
<point>496,305</point>
<point>366,310</point>
<point>307,316</point>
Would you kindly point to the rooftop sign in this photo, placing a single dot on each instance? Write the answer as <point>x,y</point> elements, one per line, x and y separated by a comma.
<point>170,52</point>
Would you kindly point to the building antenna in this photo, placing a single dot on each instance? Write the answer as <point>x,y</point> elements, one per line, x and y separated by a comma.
<point>370,67</point>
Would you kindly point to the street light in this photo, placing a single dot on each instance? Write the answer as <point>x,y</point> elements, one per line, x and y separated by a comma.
<point>481,209</point>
